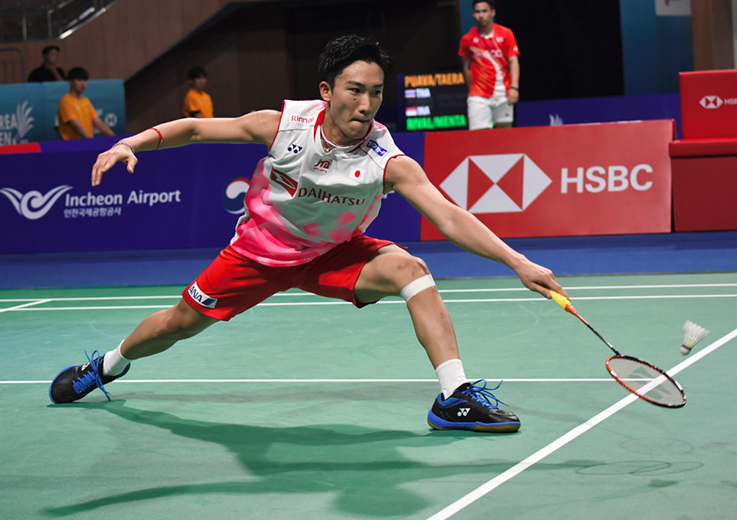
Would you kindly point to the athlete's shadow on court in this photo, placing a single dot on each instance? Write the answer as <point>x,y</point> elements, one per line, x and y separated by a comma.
<point>364,465</point>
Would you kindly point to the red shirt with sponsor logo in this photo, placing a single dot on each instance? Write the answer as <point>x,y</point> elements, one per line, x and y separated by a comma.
<point>303,201</point>
<point>489,57</point>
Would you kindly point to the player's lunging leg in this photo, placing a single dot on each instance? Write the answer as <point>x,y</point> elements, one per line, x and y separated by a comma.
<point>155,334</point>
<point>460,405</point>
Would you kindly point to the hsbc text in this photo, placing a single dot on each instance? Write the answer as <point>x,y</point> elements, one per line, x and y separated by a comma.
<point>597,179</point>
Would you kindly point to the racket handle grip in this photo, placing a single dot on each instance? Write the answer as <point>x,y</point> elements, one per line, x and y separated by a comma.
<point>561,300</point>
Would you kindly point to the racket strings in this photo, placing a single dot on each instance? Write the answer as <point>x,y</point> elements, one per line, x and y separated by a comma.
<point>646,380</point>
<point>481,394</point>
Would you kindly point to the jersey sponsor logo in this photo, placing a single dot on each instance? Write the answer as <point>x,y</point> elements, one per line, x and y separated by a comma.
<point>233,197</point>
<point>33,205</point>
<point>322,166</point>
<point>284,181</point>
<point>328,197</point>
<point>294,148</point>
<point>504,183</point>
<point>302,119</point>
<point>381,152</point>
<point>200,297</point>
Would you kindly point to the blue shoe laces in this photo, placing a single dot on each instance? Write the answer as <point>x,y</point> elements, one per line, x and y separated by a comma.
<point>91,378</point>
<point>483,395</point>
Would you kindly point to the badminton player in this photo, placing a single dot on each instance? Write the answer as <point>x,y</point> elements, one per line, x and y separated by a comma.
<point>307,208</point>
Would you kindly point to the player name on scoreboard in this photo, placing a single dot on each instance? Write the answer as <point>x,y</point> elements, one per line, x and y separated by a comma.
<point>433,101</point>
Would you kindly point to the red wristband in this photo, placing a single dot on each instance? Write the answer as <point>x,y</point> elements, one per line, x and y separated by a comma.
<point>161,138</point>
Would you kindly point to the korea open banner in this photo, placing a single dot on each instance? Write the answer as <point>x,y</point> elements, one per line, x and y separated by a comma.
<point>598,179</point>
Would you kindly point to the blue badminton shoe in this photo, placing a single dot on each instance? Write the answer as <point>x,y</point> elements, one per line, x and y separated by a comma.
<point>471,408</point>
<point>75,382</point>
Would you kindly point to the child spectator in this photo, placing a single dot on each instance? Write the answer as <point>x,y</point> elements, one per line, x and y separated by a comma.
<point>197,102</point>
<point>76,114</point>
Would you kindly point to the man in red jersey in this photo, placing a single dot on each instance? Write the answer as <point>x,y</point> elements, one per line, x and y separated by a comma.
<point>491,68</point>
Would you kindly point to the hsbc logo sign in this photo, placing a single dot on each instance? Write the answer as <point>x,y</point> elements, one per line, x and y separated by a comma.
<point>504,183</point>
<point>713,102</point>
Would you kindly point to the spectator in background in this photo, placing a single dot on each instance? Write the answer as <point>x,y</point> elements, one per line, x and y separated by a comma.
<point>48,71</point>
<point>197,102</point>
<point>76,114</point>
<point>491,68</point>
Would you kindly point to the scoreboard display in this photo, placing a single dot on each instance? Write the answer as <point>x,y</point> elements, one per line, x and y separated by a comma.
<point>432,101</point>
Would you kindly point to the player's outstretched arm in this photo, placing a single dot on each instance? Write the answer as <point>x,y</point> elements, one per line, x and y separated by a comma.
<point>404,175</point>
<point>256,127</point>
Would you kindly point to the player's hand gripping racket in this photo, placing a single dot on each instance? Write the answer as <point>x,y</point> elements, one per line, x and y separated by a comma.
<point>643,379</point>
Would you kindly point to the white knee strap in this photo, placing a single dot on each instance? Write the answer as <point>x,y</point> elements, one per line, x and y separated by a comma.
<point>419,285</point>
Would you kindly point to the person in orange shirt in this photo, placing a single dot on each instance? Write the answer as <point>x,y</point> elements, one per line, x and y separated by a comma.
<point>197,102</point>
<point>76,114</point>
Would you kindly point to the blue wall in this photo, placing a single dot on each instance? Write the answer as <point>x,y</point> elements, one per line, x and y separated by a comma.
<point>655,48</point>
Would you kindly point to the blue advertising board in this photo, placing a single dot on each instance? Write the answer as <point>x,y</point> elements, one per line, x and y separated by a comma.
<point>599,110</point>
<point>178,198</point>
<point>28,110</point>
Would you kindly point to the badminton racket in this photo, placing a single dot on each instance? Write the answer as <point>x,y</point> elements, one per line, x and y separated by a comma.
<point>643,379</point>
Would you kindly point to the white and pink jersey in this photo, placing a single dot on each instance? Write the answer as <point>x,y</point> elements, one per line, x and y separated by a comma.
<point>303,201</point>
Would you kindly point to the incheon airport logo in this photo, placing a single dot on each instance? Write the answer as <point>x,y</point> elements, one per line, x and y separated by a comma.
<point>34,205</point>
<point>504,183</point>
<point>15,126</point>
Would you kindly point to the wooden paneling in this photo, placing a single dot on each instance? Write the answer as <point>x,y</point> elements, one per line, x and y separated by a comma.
<point>713,45</point>
<point>130,35</point>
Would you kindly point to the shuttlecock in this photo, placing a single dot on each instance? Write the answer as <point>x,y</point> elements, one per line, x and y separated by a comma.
<point>692,334</point>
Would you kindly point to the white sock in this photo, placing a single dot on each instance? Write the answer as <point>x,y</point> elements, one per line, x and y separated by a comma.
<point>451,376</point>
<point>114,363</point>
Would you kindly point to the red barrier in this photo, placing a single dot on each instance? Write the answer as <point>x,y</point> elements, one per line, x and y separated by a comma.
<point>20,148</point>
<point>708,103</point>
<point>599,179</point>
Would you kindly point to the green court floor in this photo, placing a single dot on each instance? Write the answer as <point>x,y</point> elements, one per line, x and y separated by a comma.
<point>309,408</point>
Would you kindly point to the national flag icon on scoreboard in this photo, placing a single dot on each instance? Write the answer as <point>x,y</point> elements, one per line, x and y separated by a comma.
<point>410,94</point>
<point>411,112</point>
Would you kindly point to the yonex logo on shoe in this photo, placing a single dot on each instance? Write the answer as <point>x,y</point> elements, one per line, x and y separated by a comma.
<point>202,298</point>
<point>463,411</point>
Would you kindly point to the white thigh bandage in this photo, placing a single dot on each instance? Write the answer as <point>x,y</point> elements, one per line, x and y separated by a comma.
<point>419,285</point>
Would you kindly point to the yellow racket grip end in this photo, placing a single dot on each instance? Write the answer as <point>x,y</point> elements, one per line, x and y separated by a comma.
<point>561,300</point>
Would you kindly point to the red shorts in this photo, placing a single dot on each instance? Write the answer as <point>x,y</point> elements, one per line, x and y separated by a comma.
<point>233,283</point>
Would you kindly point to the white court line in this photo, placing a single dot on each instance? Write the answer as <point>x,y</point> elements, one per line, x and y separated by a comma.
<point>391,302</point>
<point>302,294</point>
<point>538,380</point>
<point>512,472</point>
<point>21,307</point>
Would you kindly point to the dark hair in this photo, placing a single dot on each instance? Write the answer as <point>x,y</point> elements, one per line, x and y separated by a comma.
<point>78,73</point>
<point>343,51</point>
<point>196,72</point>
<point>50,48</point>
<point>492,3</point>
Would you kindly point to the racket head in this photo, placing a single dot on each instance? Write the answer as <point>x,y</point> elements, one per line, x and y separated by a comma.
<point>646,381</point>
